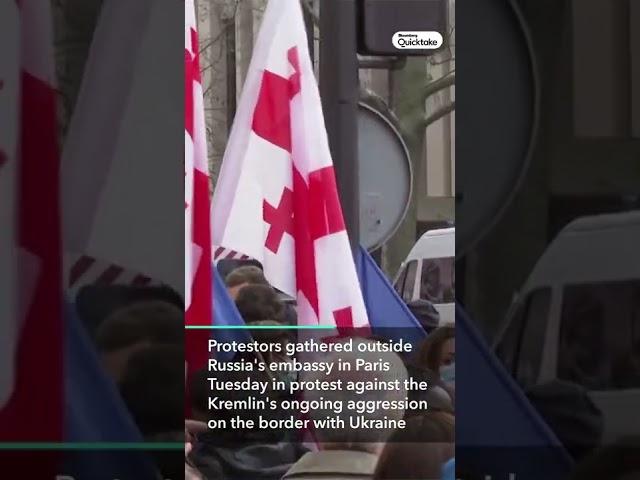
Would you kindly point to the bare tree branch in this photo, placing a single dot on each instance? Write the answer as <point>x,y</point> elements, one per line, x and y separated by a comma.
<point>211,41</point>
<point>438,114</point>
<point>447,80</point>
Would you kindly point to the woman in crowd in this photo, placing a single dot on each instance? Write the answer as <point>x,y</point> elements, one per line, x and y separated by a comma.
<point>420,450</point>
<point>434,363</point>
<point>439,349</point>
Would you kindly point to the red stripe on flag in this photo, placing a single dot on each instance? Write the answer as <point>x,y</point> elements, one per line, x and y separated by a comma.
<point>79,269</point>
<point>219,252</point>
<point>317,213</point>
<point>304,249</point>
<point>196,56</point>
<point>199,312</point>
<point>326,212</point>
<point>109,275</point>
<point>35,411</point>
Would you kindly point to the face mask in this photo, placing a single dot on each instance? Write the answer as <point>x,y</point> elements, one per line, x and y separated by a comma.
<point>448,373</point>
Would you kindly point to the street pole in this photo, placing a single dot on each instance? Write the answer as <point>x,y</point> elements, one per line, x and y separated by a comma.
<point>339,89</point>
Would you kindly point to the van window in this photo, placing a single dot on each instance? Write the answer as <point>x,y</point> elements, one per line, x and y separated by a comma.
<point>532,346</point>
<point>437,280</point>
<point>508,349</point>
<point>599,340</point>
<point>409,281</point>
<point>399,285</point>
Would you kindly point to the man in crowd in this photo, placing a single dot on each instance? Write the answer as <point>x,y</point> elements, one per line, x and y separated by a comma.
<point>134,327</point>
<point>242,277</point>
<point>255,298</point>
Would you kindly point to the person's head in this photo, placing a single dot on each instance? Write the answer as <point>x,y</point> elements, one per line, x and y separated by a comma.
<point>359,439</point>
<point>258,303</point>
<point>134,327</point>
<point>438,349</point>
<point>243,276</point>
<point>273,336</point>
<point>152,387</point>
<point>419,450</point>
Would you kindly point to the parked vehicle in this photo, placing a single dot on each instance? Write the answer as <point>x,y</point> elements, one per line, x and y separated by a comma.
<point>577,318</point>
<point>428,273</point>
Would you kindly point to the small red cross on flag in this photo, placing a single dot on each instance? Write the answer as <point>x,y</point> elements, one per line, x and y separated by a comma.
<point>276,199</point>
<point>280,220</point>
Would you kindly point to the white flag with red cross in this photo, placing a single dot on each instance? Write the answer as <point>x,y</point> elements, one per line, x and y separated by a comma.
<point>276,198</point>
<point>198,259</point>
<point>31,330</point>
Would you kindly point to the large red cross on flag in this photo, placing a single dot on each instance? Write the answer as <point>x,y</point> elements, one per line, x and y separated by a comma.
<point>198,294</point>
<point>276,198</point>
<point>31,329</point>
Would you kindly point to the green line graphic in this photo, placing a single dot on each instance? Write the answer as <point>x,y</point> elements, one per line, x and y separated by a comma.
<point>79,446</point>
<point>259,327</point>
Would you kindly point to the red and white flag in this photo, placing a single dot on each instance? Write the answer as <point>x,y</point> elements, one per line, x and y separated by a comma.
<point>31,336</point>
<point>117,201</point>
<point>197,241</point>
<point>276,199</point>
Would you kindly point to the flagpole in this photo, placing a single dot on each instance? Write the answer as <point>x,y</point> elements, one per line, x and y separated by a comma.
<point>339,89</point>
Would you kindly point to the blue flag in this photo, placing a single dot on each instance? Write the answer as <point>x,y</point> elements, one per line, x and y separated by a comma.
<point>225,314</point>
<point>95,413</point>
<point>388,314</point>
<point>498,432</point>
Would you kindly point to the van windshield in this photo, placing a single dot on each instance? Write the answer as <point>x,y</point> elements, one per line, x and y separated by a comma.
<point>437,280</point>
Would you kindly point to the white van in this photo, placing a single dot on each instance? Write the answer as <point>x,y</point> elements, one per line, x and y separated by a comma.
<point>577,318</point>
<point>428,273</point>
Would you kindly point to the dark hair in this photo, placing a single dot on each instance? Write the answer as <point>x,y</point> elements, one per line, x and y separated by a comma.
<point>259,302</point>
<point>431,349</point>
<point>272,335</point>
<point>156,322</point>
<point>246,274</point>
<point>153,389</point>
<point>419,450</point>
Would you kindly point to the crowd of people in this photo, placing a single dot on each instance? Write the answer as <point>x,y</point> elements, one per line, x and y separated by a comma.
<point>420,450</point>
<point>141,344</point>
<point>139,333</point>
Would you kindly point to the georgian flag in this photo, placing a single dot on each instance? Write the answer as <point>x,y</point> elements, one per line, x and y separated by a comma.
<point>31,330</point>
<point>115,201</point>
<point>276,199</point>
<point>197,241</point>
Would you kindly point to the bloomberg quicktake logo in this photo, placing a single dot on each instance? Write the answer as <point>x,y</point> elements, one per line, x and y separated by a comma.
<point>417,40</point>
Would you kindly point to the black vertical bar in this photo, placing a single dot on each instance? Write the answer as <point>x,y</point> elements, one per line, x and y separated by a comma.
<point>339,88</point>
